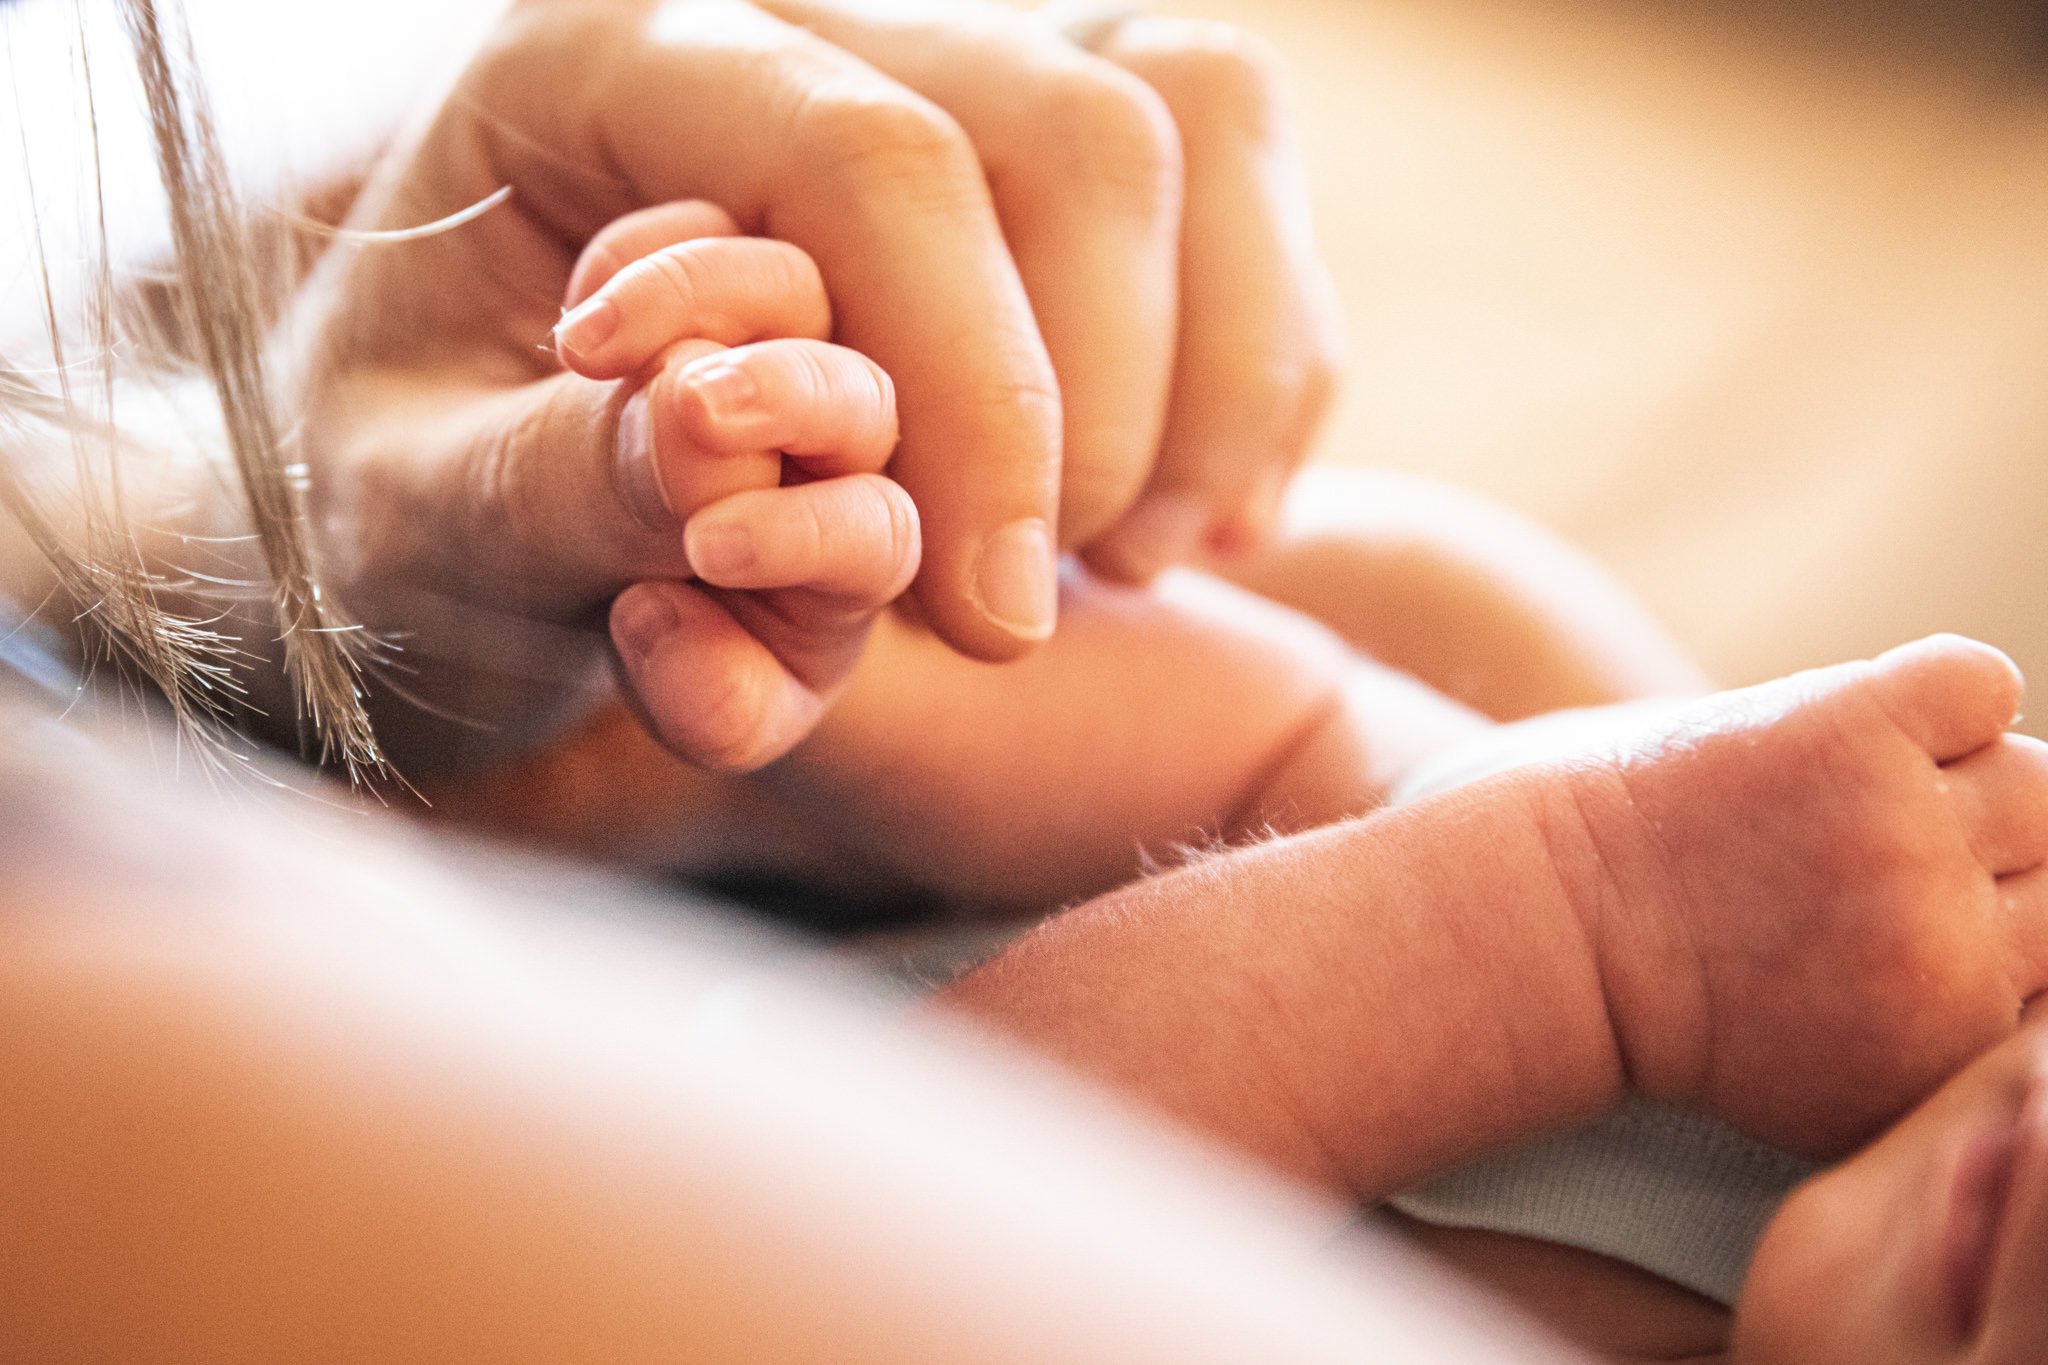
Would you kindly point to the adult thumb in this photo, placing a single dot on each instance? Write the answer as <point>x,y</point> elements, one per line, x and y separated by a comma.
<point>524,499</point>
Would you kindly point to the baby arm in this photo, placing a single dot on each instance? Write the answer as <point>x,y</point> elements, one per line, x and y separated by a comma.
<point>1481,604</point>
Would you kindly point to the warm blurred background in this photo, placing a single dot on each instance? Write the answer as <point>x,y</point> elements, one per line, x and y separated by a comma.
<point>1750,297</point>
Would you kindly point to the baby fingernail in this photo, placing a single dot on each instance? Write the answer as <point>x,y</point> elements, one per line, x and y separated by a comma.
<point>638,475</point>
<point>587,326</point>
<point>642,618</point>
<point>718,549</point>
<point>1014,579</point>
<point>726,390</point>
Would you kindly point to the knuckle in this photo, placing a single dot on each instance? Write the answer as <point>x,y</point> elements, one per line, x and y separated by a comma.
<point>562,489</point>
<point>540,47</point>
<point>794,274</point>
<point>851,383</point>
<point>514,492</point>
<point>677,272</point>
<point>1278,401</point>
<point>867,133</point>
<point>723,730</point>
<point>813,535</point>
<point>808,374</point>
<point>1099,126</point>
<point>1030,403</point>
<point>865,538</point>
<point>1220,71</point>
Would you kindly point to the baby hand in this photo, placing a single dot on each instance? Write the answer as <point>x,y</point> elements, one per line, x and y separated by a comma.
<point>762,443</point>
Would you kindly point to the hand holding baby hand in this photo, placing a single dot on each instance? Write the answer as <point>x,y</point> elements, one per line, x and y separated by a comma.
<point>791,565</point>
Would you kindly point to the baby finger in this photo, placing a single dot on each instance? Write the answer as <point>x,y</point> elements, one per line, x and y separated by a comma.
<point>829,406</point>
<point>854,539</point>
<point>642,233</point>
<point>722,289</point>
<point>706,686</point>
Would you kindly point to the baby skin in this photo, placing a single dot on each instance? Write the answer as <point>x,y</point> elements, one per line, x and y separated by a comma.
<point>1798,907</point>
<point>1927,1247</point>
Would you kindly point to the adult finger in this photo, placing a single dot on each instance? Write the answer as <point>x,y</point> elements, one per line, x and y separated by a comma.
<point>591,111</point>
<point>1084,164</point>
<point>1258,354</point>
<point>724,289</point>
<point>854,539</point>
<point>536,499</point>
<point>642,233</point>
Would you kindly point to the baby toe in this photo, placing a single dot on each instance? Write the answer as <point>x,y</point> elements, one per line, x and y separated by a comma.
<point>1951,695</point>
<point>2001,794</point>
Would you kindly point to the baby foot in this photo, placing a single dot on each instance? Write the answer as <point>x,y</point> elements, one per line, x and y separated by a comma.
<point>1812,900</point>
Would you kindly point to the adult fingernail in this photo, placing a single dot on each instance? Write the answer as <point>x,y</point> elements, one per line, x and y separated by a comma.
<point>1156,534</point>
<point>726,391</point>
<point>1014,579</point>
<point>718,549</point>
<point>642,618</point>
<point>587,326</point>
<point>638,475</point>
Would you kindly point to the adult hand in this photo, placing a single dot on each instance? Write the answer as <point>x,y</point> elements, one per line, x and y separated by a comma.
<point>1149,196</point>
<point>1041,248</point>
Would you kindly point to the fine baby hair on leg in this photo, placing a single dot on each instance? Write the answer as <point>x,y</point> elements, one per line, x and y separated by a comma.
<point>1187,714</point>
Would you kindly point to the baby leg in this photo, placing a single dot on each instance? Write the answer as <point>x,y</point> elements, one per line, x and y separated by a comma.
<point>1475,601</point>
<point>1798,905</point>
